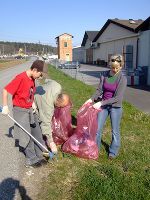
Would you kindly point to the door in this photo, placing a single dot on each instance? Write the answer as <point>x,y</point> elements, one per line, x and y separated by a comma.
<point>67,57</point>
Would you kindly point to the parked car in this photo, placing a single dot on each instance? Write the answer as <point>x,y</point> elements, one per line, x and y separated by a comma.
<point>18,57</point>
<point>70,65</point>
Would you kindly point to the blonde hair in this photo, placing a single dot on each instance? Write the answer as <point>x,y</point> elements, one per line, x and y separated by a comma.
<point>117,57</point>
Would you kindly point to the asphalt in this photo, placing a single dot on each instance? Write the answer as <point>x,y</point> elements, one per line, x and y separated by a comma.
<point>89,74</point>
<point>11,160</point>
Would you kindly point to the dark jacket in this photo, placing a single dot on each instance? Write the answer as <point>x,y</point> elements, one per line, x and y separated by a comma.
<point>116,100</point>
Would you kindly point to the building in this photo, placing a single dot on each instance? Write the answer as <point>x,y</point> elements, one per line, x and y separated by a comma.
<point>87,45</point>
<point>64,47</point>
<point>143,54</point>
<point>128,37</point>
<point>79,54</point>
<point>117,36</point>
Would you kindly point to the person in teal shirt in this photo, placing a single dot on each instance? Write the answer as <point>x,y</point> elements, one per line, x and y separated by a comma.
<point>109,95</point>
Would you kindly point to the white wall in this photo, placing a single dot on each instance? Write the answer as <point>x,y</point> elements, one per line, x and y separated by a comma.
<point>87,44</point>
<point>114,32</point>
<point>114,47</point>
<point>144,51</point>
<point>144,48</point>
<point>117,35</point>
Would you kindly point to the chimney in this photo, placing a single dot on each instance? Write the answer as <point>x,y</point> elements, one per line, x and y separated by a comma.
<point>131,21</point>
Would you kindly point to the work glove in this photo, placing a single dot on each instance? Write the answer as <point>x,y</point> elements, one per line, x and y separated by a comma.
<point>34,107</point>
<point>88,101</point>
<point>53,147</point>
<point>5,110</point>
<point>97,105</point>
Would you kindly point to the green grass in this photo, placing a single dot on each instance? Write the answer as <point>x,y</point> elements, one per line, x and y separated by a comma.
<point>125,178</point>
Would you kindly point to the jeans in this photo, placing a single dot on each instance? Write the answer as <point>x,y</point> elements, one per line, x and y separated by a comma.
<point>115,117</point>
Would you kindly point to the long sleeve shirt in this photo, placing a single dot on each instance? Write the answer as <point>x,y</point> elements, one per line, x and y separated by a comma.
<point>45,98</point>
<point>116,100</point>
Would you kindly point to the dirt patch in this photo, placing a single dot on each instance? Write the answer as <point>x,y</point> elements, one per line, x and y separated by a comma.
<point>32,179</point>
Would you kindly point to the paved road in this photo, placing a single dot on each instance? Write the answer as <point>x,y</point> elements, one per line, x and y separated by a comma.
<point>89,74</point>
<point>11,161</point>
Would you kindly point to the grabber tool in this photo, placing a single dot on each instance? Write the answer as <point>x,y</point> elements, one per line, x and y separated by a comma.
<point>46,152</point>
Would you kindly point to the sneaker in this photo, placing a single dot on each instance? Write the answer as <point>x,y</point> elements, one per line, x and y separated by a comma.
<point>110,158</point>
<point>43,162</point>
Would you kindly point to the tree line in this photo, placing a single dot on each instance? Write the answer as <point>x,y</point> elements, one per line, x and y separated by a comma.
<point>11,48</point>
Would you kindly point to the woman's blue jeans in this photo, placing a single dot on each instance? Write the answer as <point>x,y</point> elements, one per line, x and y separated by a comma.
<point>115,117</point>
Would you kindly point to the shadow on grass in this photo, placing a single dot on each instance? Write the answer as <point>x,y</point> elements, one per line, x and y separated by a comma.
<point>106,146</point>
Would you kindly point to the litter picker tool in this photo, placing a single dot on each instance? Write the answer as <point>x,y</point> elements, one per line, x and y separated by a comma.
<point>51,154</point>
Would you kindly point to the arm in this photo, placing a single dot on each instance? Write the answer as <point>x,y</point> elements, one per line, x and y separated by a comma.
<point>5,109</point>
<point>5,97</point>
<point>46,123</point>
<point>46,112</point>
<point>45,109</point>
<point>11,88</point>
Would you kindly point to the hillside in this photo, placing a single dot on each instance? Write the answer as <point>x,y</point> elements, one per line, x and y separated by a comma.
<point>28,48</point>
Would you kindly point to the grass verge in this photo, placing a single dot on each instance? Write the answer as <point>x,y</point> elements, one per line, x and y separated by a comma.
<point>125,178</point>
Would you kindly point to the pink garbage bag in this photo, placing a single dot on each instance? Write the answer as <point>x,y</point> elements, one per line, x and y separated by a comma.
<point>83,142</point>
<point>62,124</point>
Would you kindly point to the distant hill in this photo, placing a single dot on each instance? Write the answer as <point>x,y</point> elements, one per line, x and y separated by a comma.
<point>30,48</point>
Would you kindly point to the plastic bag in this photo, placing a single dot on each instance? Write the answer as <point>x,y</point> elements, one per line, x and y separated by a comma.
<point>62,124</point>
<point>83,142</point>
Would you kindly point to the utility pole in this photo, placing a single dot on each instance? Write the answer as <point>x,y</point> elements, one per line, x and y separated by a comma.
<point>3,50</point>
<point>25,51</point>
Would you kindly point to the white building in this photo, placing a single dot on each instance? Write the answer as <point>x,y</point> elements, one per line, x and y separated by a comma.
<point>117,36</point>
<point>128,37</point>
<point>144,47</point>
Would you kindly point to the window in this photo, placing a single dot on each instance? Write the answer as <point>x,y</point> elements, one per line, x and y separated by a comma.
<point>98,44</point>
<point>65,44</point>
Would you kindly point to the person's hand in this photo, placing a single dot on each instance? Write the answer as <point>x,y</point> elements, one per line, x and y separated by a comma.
<point>5,110</point>
<point>88,101</point>
<point>53,147</point>
<point>97,105</point>
<point>34,107</point>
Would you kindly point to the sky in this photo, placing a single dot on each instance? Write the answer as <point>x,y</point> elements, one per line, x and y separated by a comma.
<point>43,20</point>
